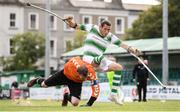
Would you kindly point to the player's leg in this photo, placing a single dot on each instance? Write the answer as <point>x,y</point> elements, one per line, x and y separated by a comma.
<point>144,91</point>
<point>75,93</point>
<point>53,80</point>
<point>107,65</point>
<point>65,96</point>
<point>139,91</point>
<point>117,68</point>
<point>34,81</point>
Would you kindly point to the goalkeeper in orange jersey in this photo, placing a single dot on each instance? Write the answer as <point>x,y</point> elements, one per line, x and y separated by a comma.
<point>74,73</point>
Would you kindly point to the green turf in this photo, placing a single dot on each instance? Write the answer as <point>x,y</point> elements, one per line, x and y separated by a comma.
<point>44,105</point>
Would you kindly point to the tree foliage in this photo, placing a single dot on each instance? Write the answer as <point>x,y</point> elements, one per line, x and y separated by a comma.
<point>77,41</point>
<point>149,23</point>
<point>69,46</point>
<point>79,38</point>
<point>28,48</point>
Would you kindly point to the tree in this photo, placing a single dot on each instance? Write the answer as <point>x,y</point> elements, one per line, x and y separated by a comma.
<point>79,38</point>
<point>69,46</point>
<point>77,41</point>
<point>28,48</point>
<point>149,23</point>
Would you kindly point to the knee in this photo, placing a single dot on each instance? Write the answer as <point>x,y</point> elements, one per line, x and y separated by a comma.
<point>75,103</point>
<point>120,67</point>
<point>115,67</point>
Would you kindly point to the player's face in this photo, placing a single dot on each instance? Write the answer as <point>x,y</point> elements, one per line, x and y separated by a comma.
<point>104,30</point>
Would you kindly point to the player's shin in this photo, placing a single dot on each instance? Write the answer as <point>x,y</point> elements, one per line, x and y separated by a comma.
<point>91,101</point>
<point>69,97</point>
<point>65,99</point>
<point>35,81</point>
<point>115,97</point>
<point>116,82</point>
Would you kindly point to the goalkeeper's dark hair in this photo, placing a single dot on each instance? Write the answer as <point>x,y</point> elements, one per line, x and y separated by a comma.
<point>83,70</point>
<point>105,22</point>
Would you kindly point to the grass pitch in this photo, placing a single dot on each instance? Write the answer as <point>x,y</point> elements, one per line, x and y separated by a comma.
<point>51,106</point>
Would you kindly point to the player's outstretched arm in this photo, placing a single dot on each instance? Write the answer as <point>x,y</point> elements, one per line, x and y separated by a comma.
<point>131,49</point>
<point>116,41</point>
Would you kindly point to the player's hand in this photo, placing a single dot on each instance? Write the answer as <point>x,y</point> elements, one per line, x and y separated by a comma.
<point>71,23</point>
<point>134,50</point>
<point>85,105</point>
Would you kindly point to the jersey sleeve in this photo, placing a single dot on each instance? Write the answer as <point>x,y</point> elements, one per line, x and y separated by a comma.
<point>94,85</point>
<point>97,59</point>
<point>115,40</point>
<point>94,82</point>
<point>86,27</point>
<point>95,88</point>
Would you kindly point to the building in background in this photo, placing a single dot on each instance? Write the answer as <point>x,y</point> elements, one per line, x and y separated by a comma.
<point>12,22</point>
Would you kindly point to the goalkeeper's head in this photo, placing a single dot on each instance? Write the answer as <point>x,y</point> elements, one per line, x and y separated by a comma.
<point>83,72</point>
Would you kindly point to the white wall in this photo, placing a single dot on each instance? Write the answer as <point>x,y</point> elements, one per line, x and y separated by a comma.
<point>131,19</point>
<point>5,31</point>
<point>54,63</point>
<point>8,80</point>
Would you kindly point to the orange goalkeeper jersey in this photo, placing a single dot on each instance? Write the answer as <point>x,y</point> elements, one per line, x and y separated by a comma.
<point>70,71</point>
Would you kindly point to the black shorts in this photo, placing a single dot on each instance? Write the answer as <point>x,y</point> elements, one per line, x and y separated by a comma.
<point>60,79</point>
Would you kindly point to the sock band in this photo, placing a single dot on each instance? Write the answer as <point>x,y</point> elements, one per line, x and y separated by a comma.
<point>116,82</point>
<point>39,81</point>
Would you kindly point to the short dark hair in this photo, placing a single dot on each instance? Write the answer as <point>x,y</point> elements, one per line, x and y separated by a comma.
<point>83,70</point>
<point>105,22</point>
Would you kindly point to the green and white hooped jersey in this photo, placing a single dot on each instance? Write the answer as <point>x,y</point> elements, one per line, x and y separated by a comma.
<point>95,45</point>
